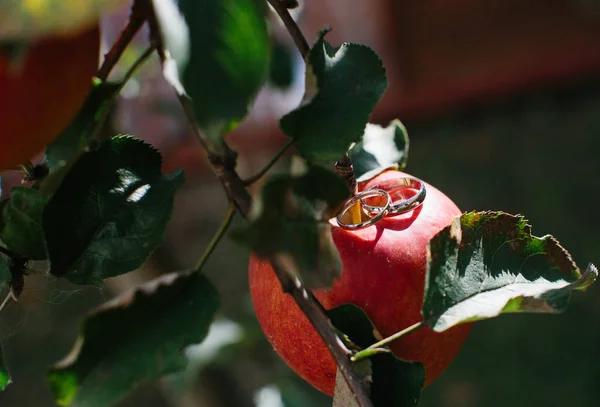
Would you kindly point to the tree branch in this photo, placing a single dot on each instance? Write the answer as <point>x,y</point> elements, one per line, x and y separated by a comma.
<point>137,18</point>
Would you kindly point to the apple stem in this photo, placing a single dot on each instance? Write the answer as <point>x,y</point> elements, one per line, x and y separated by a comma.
<point>370,351</point>
<point>345,168</point>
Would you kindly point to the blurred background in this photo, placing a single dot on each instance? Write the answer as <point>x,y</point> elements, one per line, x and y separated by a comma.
<point>502,104</point>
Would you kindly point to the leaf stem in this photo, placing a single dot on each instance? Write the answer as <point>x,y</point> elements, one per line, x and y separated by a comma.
<point>8,297</point>
<point>137,65</point>
<point>365,353</point>
<point>257,176</point>
<point>217,237</point>
<point>282,10</point>
<point>128,75</point>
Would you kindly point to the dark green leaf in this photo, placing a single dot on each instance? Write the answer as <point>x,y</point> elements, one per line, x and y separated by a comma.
<point>287,219</point>
<point>381,148</point>
<point>488,263</point>
<point>394,382</point>
<point>22,223</point>
<point>5,274</point>
<point>4,375</point>
<point>281,72</point>
<point>135,338</point>
<point>349,81</point>
<point>75,137</point>
<point>110,211</point>
<point>220,56</point>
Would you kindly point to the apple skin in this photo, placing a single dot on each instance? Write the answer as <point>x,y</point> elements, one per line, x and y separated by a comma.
<point>384,274</point>
<point>40,95</point>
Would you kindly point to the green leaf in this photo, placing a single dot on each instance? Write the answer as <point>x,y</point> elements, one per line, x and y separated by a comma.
<point>394,382</point>
<point>31,19</point>
<point>350,80</point>
<point>4,375</point>
<point>281,70</point>
<point>74,138</point>
<point>219,52</point>
<point>288,218</point>
<point>488,263</point>
<point>110,211</point>
<point>22,223</point>
<point>5,274</point>
<point>135,338</point>
<point>381,148</point>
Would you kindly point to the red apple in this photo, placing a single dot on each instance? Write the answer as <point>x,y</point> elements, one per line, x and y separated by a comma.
<point>384,274</point>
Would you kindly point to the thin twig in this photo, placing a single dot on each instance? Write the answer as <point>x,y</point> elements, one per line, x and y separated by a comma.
<point>363,354</point>
<point>137,18</point>
<point>257,176</point>
<point>217,237</point>
<point>282,10</point>
<point>137,65</point>
<point>128,75</point>
<point>8,297</point>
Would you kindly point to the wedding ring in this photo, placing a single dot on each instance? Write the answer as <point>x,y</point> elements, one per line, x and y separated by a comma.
<point>394,187</point>
<point>376,215</point>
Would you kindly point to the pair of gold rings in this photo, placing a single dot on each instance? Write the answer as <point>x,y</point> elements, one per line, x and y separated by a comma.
<point>388,192</point>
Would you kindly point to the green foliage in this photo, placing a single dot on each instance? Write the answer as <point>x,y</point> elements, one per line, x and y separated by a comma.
<point>220,56</point>
<point>5,274</point>
<point>110,211</point>
<point>281,71</point>
<point>22,223</point>
<point>488,263</point>
<point>135,338</point>
<point>343,85</point>
<point>4,375</point>
<point>381,148</point>
<point>393,382</point>
<point>289,217</point>
<point>31,19</point>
